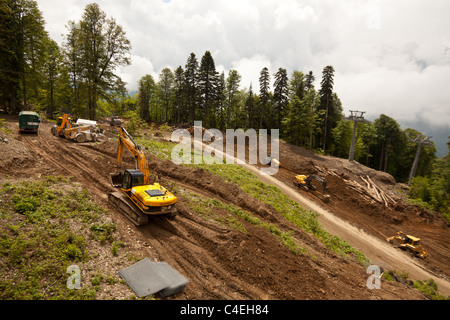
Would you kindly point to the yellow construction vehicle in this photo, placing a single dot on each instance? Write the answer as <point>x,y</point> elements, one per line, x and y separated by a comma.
<point>409,243</point>
<point>82,131</point>
<point>271,161</point>
<point>306,183</point>
<point>63,123</point>
<point>137,197</point>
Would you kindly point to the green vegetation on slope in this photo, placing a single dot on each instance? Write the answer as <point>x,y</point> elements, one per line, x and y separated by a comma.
<point>46,227</point>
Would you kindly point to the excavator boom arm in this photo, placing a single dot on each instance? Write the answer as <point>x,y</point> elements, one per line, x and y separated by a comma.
<point>65,123</point>
<point>126,141</point>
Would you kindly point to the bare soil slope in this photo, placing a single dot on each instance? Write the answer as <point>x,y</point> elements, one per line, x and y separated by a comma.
<point>219,261</point>
<point>370,216</point>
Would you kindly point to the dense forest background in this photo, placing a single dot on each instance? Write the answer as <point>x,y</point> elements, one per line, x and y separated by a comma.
<point>80,78</point>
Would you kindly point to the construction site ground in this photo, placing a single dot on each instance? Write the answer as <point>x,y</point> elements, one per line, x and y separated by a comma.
<point>221,262</point>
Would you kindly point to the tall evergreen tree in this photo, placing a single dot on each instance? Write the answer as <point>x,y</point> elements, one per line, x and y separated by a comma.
<point>250,105</point>
<point>309,80</point>
<point>146,90</point>
<point>231,96</point>
<point>166,90</point>
<point>34,40</point>
<point>389,138</point>
<point>207,88</point>
<point>264,82</point>
<point>326,102</point>
<point>221,100</point>
<point>190,86</point>
<point>297,84</point>
<point>280,95</point>
<point>180,110</point>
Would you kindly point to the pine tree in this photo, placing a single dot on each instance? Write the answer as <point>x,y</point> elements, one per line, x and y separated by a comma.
<point>207,88</point>
<point>180,109</point>
<point>250,105</point>
<point>146,90</point>
<point>326,101</point>
<point>309,80</point>
<point>231,97</point>
<point>264,81</point>
<point>280,96</point>
<point>166,90</point>
<point>221,100</point>
<point>297,84</point>
<point>190,86</point>
<point>23,39</point>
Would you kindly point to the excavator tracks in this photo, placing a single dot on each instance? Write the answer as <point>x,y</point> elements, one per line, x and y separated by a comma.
<point>128,208</point>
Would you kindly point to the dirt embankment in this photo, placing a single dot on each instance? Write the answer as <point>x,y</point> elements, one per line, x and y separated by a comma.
<point>370,216</point>
<point>219,261</point>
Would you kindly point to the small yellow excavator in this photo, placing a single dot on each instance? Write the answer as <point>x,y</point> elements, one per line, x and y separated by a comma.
<point>137,197</point>
<point>78,132</point>
<point>306,182</point>
<point>409,243</point>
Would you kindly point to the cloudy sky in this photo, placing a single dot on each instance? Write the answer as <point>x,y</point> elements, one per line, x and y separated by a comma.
<point>390,57</point>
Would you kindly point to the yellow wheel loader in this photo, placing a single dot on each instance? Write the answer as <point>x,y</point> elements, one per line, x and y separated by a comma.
<point>408,243</point>
<point>80,131</point>
<point>137,197</point>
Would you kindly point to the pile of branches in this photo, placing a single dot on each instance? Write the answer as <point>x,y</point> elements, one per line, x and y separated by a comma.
<point>371,191</point>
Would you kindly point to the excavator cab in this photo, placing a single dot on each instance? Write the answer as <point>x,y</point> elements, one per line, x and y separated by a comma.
<point>132,178</point>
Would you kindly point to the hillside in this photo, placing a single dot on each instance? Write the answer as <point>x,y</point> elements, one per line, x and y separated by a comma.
<point>230,243</point>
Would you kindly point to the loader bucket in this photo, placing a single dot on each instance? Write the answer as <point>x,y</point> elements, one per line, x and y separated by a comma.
<point>116,179</point>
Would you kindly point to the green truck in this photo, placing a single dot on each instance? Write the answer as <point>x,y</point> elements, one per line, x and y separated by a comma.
<point>29,121</point>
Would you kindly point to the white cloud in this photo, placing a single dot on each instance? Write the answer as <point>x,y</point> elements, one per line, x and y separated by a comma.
<point>390,57</point>
<point>405,96</point>
<point>250,69</point>
<point>140,66</point>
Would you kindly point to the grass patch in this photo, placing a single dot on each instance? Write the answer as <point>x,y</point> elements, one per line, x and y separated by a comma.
<point>160,149</point>
<point>430,289</point>
<point>208,206</point>
<point>48,225</point>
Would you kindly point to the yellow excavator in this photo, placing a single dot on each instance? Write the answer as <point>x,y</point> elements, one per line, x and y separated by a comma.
<point>137,197</point>
<point>306,182</point>
<point>409,243</point>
